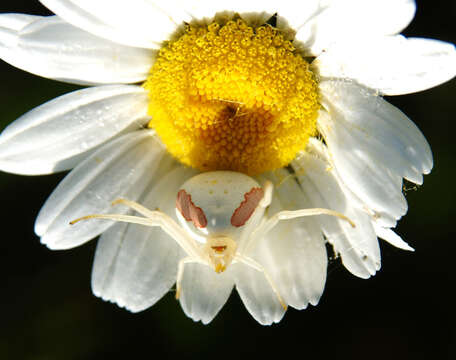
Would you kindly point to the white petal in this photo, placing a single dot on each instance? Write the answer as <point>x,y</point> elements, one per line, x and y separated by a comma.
<point>207,9</point>
<point>391,237</point>
<point>349,20</point>
<point>50,47</point>
<point>357,246</point>
<point>136,265</point>
<point>392,65</point>
<point>135,22</point>
<point>16,22</point>
<point>320,150</point>
<point>57,135</point>
<point>384,220</point>
<point>204,292</point>
<point>293,13</point>
<point>294,251</point>
<point>257,294</point>
<point>373,145</point>
<point>122,168</point>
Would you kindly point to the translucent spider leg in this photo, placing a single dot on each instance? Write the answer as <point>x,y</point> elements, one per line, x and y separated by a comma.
<point>166,223</point>
<point>257,219</point>
<point>180,273</point>
<point>268,188</point>
<point>135,206</point>
<point>269,224</point>
<point>153,218</point>
<point>253,264</point>
<point>292,214</point>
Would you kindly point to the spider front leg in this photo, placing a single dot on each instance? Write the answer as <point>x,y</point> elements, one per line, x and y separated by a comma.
<point>152,218</point>
<point>269,224</point>
<point>166,223</point>
<point>268,189</point>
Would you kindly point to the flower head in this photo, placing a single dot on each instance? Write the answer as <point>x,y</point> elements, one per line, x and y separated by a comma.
<point>286,97</point>
<point>233,97</point>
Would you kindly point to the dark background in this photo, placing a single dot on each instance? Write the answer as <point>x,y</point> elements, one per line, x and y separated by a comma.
<point>47,310</point>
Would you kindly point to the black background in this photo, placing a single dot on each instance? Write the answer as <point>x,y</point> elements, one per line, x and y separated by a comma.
<point>47,310</point>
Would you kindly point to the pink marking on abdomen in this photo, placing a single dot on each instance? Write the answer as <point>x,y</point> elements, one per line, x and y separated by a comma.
<point>247,207</point>
<point>189,210</point>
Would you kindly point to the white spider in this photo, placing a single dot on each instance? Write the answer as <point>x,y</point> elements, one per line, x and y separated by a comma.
<point>222,215</point>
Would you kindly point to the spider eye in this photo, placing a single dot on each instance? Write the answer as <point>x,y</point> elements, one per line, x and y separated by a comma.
<point>189,210</point>
<point>245,210</point>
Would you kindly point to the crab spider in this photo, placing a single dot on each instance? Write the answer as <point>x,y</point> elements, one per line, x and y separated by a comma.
<point>222,216</point>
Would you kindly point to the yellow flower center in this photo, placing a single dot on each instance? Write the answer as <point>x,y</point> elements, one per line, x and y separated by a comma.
<point>232,97</point>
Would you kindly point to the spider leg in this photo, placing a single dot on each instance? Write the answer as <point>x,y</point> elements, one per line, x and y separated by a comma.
<point>292,214</point>
<point>267,197</point>
<point>135,206</point>
<point>180,273</point>
<point>255,265</point>
<point>269,224</point>
<point>154,218</point>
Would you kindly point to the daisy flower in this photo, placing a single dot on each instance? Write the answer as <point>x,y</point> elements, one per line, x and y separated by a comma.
<point>286,96</point>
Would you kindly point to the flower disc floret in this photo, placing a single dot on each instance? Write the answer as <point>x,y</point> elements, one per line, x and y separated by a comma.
<point>233,97</point>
